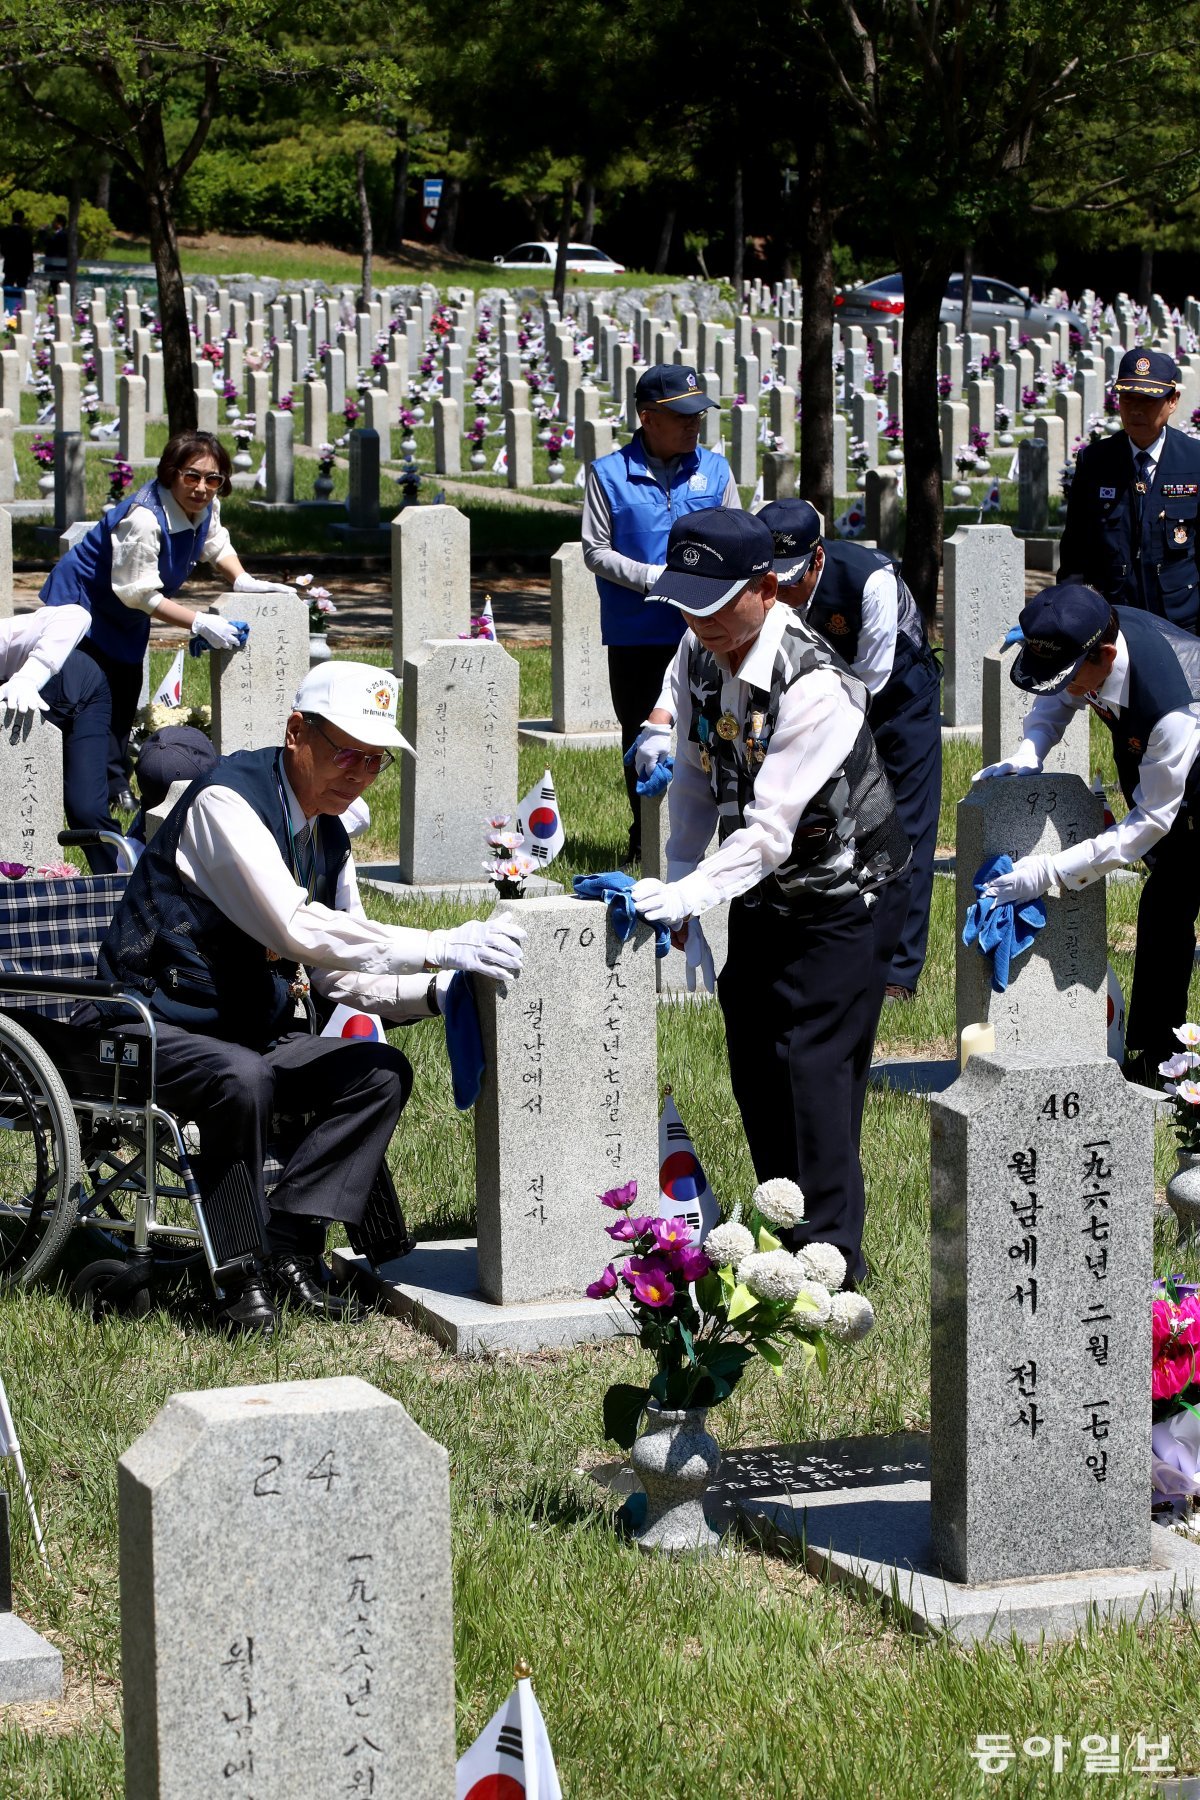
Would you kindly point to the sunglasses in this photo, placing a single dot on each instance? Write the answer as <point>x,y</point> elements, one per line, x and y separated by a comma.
<point>360,762</point>
<point>199,478</point>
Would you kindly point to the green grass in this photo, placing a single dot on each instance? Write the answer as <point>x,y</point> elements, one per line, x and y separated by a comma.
<point>740,1676</point>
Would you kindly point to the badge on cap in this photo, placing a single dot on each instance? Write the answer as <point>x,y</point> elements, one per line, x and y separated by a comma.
<point>690,556</point>
<point>383,698</point>
<point>691,380</point>
<point>1142,365</point>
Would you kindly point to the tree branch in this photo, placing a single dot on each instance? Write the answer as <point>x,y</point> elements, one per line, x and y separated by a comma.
<point>204,118</point>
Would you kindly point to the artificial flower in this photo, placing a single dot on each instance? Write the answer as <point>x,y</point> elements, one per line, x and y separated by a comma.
<point>780,1201</point>
<point>728,1244</point>
<point>814,1304</point>
<point>626,1230</point>
<point>824,1263</point>
<point>1189,1092</point>
<point>669,1233</point>
<point>771,1275</point>
<point>620,1198</point>
<point>652,1286</point>
<point>851,1316</point>
<point>1178,1065</point>
<point>689,1263</point>
<point>303,581</point>
<point>1188,1035</point>
<point>606,1285</point>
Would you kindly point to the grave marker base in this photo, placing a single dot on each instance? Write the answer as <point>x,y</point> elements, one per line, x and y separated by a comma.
<point>859,1507</point>
<point>436,1288</point>
<point>541,732</point>
<point>30,1668</point>
<point>386,878</point>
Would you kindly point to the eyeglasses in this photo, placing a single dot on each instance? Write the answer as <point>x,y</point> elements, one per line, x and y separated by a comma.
<point>199,478</point>
<point>360,762</point>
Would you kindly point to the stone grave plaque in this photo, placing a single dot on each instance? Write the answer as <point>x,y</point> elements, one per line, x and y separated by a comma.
<point>286,1599</point>
<point>253,689</point>
<point>984,594</point>
<point>671,970</point>
<point>568,1107</point>
<point>1005,708</point>
<point>578,660</point>
<point>431,577</point>
<point>1056,999</point>
<point>31,793</point>
<point>460,716</point>
<point>1042,1197</point>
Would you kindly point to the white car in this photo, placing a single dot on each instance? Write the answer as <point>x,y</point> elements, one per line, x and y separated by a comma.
<point>582,259</point>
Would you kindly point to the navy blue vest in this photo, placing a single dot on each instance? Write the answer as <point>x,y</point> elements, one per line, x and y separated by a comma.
<point>83,577</point>
<point>836,611</point>
<point>1164,676</point>
<point>173,948</point>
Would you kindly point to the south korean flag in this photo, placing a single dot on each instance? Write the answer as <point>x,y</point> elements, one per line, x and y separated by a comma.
<point>684,1192</point>
<point>539,820</point>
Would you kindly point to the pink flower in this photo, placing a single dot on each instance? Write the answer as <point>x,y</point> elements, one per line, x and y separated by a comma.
<point>689,1263</point>
<point>1175,1335</point>
<point>607,1284</point>
<point>13,871</point>
<point>620,1197</point>
<point>626,1230</point>
<point>669,1233</point>
<point>653,1287</point>
<point>59,871</point>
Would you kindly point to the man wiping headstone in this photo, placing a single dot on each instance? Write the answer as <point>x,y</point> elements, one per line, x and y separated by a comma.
<point>1141,676</point>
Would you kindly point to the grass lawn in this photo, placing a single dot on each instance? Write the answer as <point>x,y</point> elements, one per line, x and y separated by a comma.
<point>739,1676</point>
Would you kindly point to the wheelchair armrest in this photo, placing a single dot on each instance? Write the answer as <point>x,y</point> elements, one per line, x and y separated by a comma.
<point>74,987</point>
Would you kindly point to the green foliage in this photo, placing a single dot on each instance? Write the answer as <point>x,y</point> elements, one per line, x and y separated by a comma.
<point>301,186</point>
<point>95,226</point>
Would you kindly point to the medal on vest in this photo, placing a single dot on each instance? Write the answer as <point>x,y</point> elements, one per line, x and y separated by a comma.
<point>705,761</point>
<point>1181,534</point>
<point>727,727</point>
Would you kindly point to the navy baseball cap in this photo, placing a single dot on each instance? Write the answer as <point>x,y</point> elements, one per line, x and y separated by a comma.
<point>711,555</point>
<point>1060,626</point>
<point>1150,372</point>
<point>670,386</point>
<point>796,528</point>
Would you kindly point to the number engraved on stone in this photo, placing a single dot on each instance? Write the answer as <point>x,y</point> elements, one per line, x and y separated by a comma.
<point>271,1466</point>
<point>323,1470</point>
<point>587,936</point>
<point>1067,1107</point>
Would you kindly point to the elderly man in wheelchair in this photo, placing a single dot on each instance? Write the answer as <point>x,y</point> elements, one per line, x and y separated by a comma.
<point>246,894</point>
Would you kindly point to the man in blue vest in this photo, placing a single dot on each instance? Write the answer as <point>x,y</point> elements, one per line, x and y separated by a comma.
<point>1131,513</point>
<point>247,885</point>
<point>861,605</point>
<point>631,500</point>
<point>1141,677</point>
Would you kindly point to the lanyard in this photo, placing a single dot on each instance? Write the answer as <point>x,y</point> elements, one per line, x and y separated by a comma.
<point>309,881</point>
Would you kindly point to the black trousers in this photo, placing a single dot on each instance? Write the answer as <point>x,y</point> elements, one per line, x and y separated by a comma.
<point>124,685</point>
<point>910,747</point>
<point>801,997</point>
<point>635,678</point>
<point>78,702</point>
<point>355,1092</point>
<point>1166,942</point>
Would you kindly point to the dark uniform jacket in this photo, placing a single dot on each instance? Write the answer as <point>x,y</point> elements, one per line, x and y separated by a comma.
<point>1154,565</point>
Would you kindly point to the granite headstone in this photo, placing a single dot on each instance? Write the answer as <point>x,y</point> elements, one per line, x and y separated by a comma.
<point>578,664</point>
<point>460,715</point>
<point>984,581</point>
<point>253,689</point>
<point>431,577</point>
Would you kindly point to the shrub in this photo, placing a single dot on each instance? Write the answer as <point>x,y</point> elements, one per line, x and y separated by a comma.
<point>95,226</point>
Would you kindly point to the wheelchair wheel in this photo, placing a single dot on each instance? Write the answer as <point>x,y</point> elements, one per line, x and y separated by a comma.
<point>39,1158</point>
<point>102,1290</point>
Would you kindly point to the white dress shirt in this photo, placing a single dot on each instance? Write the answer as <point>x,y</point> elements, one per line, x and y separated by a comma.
<point>137,540</point>
<point>877,638</point>
<point>820,716</point>
<point>47,636</point>
<point>226,853</point>
<point>1170,752</point>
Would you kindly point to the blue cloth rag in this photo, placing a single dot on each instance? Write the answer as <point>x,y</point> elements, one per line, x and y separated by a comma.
<point>1001,931</point>
<point>658,778</point>
<point>615,889</point>
<point>464,1043</point>
<point>1015,636</point>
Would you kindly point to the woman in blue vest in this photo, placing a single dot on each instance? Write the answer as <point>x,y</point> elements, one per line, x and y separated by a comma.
<point>129,567</point>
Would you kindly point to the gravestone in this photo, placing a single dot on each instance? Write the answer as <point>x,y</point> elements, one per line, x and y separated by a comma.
<point>1042,1198</point>
<point>31,795</point>
<point>447,444</point>
<point>281,489</point>
<point>431,577</point>
<point>778,475</point>
<point>1050,428</point>
<point>568,1107</point>
<point>1033,485</point>
<point>67,413</point>
<point>670,971</point>
<point>6,557</point>
<point>311,1652</point>
<point>1004,711</point>
<point>955,425</point>
<point>882,504</point>
<point>1056,1000</point>
<point>206,410</point>
<point>864,423</point>
<point>253,689</point>
<point>984,584</point>
<point>30,1668</point>
<point>518,439</point>
<point>316,414</point>
<point>131,411</point>
<point>157,816</point>
<point>578,661</point>
<point>460,716</point>
<point>744,457</point>
<point>362,507</point>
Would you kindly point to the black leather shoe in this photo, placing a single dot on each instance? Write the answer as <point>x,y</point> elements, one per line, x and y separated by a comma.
<point>294,1282</point>
<point>248,1308</point>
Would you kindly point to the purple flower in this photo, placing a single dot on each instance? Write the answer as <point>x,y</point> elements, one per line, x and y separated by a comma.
<point>689,1263</point>
<point>619,1198</point>
<point>650,1281</point>
<point>626,1230</point>
<point>285,403</point>
<point>944,385</point>
<point>1029,397</point>
<point>607,1284</point>
<point>671,1234</point>
<point>14,871</point>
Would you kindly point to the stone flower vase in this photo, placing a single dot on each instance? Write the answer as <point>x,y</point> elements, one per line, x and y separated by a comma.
<point>477,458</point>
<point>1183,1193</point>
<point>318,648</point>
<point>676,1460</point>
<point>555,470</point>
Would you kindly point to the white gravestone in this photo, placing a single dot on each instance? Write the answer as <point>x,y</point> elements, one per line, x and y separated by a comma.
<point>286,1598</point>
<point>431,577</point>
<point>253,689</point>
<point>1004,711</point>
<point>460,716</point>
<point>984,594</point>
<point>568,1107</point>
<point>31,793</point>
<point>578,661</point>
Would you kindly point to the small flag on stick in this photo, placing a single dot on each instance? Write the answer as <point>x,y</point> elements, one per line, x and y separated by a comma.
<point>10,1446</point>
<point>684,1192</point>
<point>540,822</point>
<point>170,692</point>
<point>511,1759</point>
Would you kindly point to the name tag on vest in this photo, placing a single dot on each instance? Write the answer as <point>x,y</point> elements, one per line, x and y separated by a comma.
<point>698,484</point>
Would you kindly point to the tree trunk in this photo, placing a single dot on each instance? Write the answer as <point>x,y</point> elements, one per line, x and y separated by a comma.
<point>103,192</point>
<point>564,238</point>
<point>588,227</point>
<point>448,218</point>
<point>664,243</point>
<point>366,228</point>
<point>395,242</point>
<point>176,341</point>
<point>968,269</point>
<point>816,342</point>
<point>1145,280</point>
<point>74,195</point>
<point>739,239</point>
<point>925,277</point>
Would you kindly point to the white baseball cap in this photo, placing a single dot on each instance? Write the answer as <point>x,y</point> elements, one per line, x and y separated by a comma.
<point>358,699</point>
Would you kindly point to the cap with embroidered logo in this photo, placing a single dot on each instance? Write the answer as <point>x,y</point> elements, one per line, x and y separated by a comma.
<point>670,387</point>
<point>1060,627</point>
<point>711,555</point>
<point>1150,372</point>
<point>359,700</point>
<point>796,528</point>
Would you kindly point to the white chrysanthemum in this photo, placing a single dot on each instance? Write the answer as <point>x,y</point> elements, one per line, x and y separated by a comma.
<point>779,1200</point>
<point>771,1275</point>
<point>818,1302</point>
<point>727,1244</point>
<point>824,1263</point>
<point>851,1316</point>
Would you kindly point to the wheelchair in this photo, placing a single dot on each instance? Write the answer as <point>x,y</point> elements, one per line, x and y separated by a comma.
<point>93,1172</point>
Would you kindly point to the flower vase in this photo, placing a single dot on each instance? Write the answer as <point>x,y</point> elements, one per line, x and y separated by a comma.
<point>895,454</point>
<point>543,436</point>
<point>1029,420</point>
<point>322,487</point>
<point>318,648</point>
<point>1005,439</point>
<point>46,482</point>
<point>408,445</point>
<point>555,471</point>
<point>961,491</point>
<point>241,458</point>
<point>676,1461</point>
<point>1183,1193</point>
<point>477,458</point>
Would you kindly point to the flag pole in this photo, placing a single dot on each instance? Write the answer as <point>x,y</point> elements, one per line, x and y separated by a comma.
<point>8,1430</point>
<point>523,1670</point>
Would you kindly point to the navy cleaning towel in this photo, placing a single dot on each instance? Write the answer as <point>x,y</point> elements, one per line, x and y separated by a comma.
<point>1001,931</point>
<point>464,1043</point>
<point>614,888</point>
<point>658,778</point>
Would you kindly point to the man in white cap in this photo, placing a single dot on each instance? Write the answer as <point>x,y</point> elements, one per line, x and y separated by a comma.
<point>248,885</point>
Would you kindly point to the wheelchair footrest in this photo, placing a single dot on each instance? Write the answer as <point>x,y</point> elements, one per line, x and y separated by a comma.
<point>231,1218</point>
<point>381,1235</point>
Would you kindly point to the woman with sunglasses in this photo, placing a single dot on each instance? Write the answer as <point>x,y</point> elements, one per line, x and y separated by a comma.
<point>129,567</point>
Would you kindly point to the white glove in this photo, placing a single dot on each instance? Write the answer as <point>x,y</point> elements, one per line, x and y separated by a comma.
<point>216,632</point>
<point>654,571</point>
<point>671,902</point>
<point>250,584</point>
<point>1026,880</point>
<point>652,747</point>
<point>1023,761</point>
<point>483,947</point>
<point>698,956</point>
<point>21,692</point>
